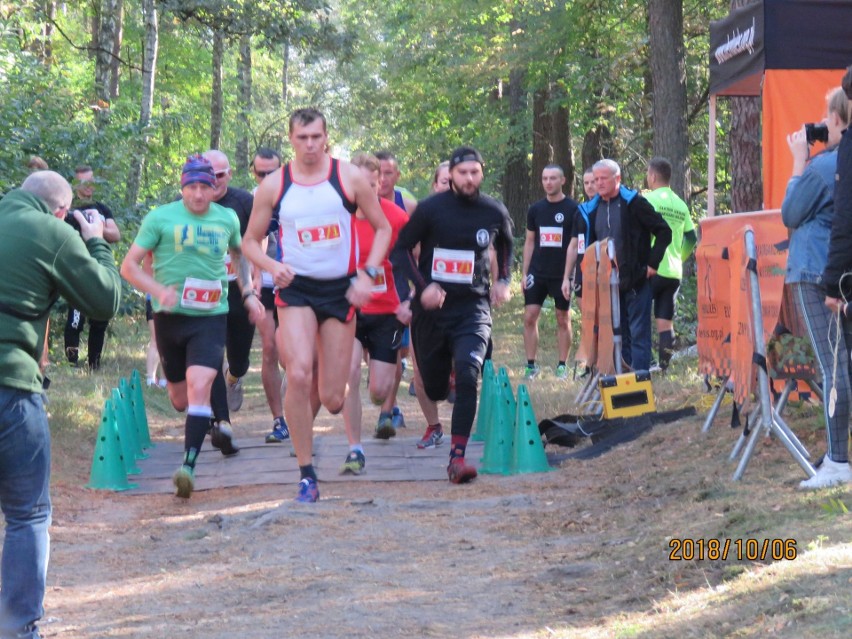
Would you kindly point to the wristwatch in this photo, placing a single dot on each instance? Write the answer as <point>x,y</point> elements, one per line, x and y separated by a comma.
<point>372,272</point>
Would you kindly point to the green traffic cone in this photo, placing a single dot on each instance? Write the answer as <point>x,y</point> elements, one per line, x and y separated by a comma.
<point>528,454</point>
<point>127,434</point>
<point>138,401</point>
<point>127,398</point>
<point>497,457</point>
<point>484,414</point>
<point>108,471</point>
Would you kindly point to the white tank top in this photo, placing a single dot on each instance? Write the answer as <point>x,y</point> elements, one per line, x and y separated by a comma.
<point>316,234</point>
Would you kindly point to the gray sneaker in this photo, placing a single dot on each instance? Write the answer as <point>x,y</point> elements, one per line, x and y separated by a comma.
<point>234,392</point>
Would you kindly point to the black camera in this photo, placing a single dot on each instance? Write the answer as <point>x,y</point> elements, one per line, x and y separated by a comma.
<point>89,214</point>
<point>816,133</point>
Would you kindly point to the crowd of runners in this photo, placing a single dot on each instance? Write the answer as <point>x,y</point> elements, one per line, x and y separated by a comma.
<point>332,262</point>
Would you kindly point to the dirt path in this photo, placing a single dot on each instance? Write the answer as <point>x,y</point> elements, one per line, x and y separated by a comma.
<point>566,553</point>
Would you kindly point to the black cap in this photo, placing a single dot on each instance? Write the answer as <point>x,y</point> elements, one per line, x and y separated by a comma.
<point>465,154</point>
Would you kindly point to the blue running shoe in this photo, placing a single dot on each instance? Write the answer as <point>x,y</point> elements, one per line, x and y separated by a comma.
<point>280,433</point>
<point>397,418</point>
<point>308,491</point>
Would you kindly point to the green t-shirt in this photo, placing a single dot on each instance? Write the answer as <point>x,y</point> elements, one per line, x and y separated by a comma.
<point>676,214</point>
<point>189,253</point>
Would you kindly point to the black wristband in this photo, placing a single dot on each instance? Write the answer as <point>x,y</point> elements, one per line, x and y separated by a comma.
<point>249,293</point>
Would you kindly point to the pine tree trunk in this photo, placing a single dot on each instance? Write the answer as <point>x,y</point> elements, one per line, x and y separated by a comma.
<point>668,73</point>
<point>115,66</point>
<point>746,161</point>
<point>563,153</point>
<point>216,107</point>
<point>597,145</point>
<point>244,77</point>
<point>103,60</point>
<point>285,74</point>
<point>542,128</point>
<point>516,179</point>
<point>149,69</point>
<point>46,49</point>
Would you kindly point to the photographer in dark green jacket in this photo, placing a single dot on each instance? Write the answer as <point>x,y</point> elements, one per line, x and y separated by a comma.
<point>41,259</point>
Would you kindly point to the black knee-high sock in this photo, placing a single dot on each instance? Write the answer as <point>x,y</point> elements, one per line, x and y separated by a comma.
<point>666,348</point>
<point>219,399</point>
<point>195,431</point>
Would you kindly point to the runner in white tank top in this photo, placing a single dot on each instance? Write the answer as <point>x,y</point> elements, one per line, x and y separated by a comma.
<point>315,296</point>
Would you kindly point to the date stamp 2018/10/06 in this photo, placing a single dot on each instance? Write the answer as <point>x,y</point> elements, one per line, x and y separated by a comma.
<point>749,549</point>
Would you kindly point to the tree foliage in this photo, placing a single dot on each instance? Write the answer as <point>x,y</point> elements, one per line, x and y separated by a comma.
<point>526,81</point>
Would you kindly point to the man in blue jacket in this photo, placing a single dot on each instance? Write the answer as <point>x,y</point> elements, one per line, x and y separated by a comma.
<point>629,219</point>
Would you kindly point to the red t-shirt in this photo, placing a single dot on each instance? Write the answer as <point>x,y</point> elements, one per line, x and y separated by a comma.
<point>384,300</point>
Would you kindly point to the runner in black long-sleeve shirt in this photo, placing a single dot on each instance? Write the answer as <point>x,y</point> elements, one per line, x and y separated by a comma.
<point>451,321</point>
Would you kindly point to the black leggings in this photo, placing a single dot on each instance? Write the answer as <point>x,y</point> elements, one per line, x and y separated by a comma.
<point>447,339</point>
<point>97,335</point>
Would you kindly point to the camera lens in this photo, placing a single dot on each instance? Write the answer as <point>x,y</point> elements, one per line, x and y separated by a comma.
<point>816,133</point>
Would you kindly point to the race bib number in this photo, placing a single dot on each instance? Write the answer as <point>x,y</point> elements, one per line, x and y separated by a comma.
<point>201,294</point>
<point>550,237</point>
<point>318,232</point>
<point>449,265</point>
<point>380,284</point>
<point>231,268</point>
<point>581,244</point>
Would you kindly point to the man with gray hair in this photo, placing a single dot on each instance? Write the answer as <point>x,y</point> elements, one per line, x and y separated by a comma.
<point>49,259</point>
<point>629,219</point>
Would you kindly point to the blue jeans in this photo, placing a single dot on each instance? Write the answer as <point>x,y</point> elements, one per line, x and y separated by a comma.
<point>636,326</point>
<point>25,500</point>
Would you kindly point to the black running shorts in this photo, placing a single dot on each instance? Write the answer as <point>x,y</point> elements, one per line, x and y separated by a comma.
<point>380,335</point>
<point>185,341</point>
<point>538,288</point>
<point>326,298</point>
<point>664,290</point>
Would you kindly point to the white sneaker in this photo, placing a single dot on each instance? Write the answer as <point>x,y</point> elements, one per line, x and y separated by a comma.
<point>830,473</point>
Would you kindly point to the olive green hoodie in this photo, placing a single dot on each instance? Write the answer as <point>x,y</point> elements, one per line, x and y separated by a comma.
<point>41,259</point>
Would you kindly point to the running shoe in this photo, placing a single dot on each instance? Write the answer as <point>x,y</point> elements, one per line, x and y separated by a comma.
<point>354,463</point>
<point>412,390</point>
<point>385,429</point>
<point>234,392</point>
<point>184,481</point>
<point>308,491</point>
<point>830,473</point>
<point>280,433</point>
<point>531,372</point>
<point>433,436</point>
<point>397,418</point>
<point>561,372</point>
<point>459,472</point>
<point>222,437</point>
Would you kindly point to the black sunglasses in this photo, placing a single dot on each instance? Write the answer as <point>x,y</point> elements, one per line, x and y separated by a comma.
<point>263,174</point>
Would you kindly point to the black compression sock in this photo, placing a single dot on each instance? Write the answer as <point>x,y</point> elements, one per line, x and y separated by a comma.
<point>307,472</point>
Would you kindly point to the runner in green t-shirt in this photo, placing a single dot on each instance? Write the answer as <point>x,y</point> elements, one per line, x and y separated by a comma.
<point>665,284</point>
<point>189,239</point>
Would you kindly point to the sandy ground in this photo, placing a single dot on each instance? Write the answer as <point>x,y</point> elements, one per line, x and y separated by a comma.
<point>553,554</point>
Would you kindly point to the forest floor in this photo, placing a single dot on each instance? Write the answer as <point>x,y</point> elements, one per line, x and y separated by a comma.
<point>584,551</point>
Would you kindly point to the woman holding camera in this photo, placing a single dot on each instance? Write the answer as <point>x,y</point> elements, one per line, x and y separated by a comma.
<point>808,210</point>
